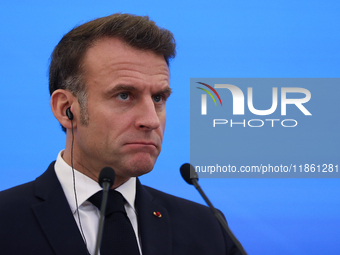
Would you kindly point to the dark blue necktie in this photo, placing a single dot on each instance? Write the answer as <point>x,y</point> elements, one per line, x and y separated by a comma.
<point>118,236</point>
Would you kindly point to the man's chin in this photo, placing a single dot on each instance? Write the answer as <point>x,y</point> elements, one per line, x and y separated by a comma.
<point>138,166</point>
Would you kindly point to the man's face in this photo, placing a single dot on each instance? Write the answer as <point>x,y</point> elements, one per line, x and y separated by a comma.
<point>127,91</point>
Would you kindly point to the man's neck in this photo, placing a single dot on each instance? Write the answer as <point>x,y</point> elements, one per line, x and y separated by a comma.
<point>94,175</point>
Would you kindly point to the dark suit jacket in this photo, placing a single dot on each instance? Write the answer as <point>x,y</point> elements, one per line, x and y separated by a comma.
<point>35,218</point>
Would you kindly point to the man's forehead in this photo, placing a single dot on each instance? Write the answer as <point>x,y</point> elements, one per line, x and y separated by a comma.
<point>115,57</point>
<point>117,49</point>
<point>112,60</point>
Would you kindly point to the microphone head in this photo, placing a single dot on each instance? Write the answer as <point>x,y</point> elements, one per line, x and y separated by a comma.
<point>107,174</point>
<point>188,173</point>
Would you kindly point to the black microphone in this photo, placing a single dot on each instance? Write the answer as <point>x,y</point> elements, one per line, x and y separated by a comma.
<point>188,173</point>
<point>106,179</point>
<point>190,176</point>
<point>107,175</point>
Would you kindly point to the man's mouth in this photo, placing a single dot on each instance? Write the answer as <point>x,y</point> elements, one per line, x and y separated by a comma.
<point>142,143</point>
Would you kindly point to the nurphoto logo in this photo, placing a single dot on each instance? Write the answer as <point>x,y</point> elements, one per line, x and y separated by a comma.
<point>238,104</point>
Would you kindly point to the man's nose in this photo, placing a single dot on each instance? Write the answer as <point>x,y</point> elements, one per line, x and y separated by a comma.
<point>147,117</point>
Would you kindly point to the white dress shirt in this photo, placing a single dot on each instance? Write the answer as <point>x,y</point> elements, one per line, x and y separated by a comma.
<point>89,214</point>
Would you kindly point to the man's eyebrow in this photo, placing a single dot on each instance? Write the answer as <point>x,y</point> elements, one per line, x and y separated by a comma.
<point>167,90</point>
<point>120,87</point>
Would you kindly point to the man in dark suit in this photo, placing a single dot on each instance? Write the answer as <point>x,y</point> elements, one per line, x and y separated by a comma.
<point>109,82</point>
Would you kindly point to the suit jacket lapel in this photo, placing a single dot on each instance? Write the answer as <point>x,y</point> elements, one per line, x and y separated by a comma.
<point>55,217</point>
<point>155,231</point>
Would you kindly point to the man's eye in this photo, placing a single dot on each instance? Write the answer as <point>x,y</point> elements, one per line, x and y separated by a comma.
<point>158,98</point>
<point>123,96</point>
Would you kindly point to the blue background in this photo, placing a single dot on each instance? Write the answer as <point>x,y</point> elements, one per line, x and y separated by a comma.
<point>274,39</point>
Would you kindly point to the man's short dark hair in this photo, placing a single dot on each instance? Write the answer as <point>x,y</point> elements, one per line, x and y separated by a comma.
<point>67,57</point>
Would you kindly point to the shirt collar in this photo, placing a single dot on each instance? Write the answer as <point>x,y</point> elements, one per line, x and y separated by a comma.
<point>85,186</point>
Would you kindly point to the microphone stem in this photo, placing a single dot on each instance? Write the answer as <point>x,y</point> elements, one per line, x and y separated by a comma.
<point>219,217</point>
<point>106,187</point>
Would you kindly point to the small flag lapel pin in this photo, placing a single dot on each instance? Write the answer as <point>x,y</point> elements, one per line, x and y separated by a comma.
<point>158,214</point>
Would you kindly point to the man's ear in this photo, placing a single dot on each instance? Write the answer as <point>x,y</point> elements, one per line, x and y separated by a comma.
<point>61,100</point>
